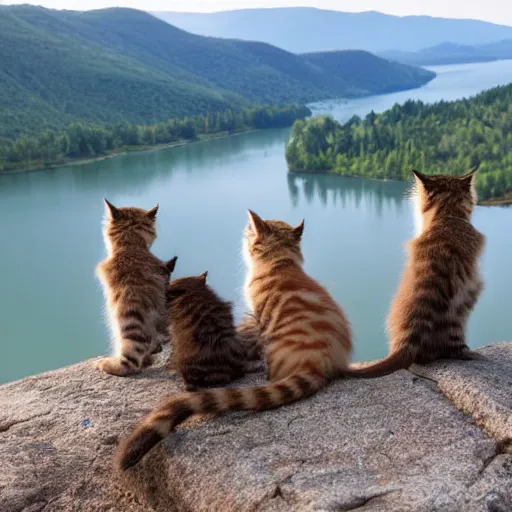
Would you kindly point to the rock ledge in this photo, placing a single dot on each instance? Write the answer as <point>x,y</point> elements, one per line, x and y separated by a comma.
<point>434,439</point>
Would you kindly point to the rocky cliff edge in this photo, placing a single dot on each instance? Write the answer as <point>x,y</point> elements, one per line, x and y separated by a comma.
<point>437,438</point>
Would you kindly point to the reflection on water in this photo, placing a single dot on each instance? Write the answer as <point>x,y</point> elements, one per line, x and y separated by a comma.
<point>123,173</point>
<point>332,191</point>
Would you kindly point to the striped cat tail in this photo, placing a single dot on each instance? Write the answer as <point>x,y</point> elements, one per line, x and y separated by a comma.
<point>177,408</point>
<point>395,361</point>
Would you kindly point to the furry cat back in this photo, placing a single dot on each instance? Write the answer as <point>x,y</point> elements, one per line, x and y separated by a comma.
<point>206,349</point>
<point>249,335</point>
<point>307,339</point>
<point>134,283</point>
<point>441,282</point>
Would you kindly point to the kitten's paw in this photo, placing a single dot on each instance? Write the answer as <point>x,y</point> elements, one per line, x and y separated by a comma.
<point>113,366</point>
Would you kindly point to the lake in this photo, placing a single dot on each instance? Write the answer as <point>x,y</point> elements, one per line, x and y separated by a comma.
<point>51,305</point>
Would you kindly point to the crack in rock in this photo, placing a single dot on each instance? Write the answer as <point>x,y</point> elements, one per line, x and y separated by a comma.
<point>499,449</point>
<point>4,427</point>
<point>278,493</point>
<point>357,502</point>
<point>292,420</point>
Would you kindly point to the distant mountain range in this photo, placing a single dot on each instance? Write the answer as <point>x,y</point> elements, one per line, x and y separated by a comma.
<point>304,29</point>
<point>115,65</point>
<point>450,53</point>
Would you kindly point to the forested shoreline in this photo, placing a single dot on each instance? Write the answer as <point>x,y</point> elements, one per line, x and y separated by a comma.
<point>445,137</point>
<point>86,141</point>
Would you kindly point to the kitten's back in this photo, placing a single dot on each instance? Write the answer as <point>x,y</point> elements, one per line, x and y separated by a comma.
<point>134,282</point>
<point>441,282</point>
<point>206,349</point>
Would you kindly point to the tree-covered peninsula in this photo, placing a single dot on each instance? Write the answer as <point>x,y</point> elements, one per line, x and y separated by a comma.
<point>445,137</point>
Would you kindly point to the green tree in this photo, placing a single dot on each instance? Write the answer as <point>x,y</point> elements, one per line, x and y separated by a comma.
<point>447,137</point>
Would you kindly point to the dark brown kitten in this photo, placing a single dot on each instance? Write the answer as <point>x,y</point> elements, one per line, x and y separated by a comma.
<point>441,283</point>
<point>206,349</point>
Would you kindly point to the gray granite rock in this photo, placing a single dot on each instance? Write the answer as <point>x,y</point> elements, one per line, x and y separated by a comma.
<point>390,444</point>
<point>482,389</point>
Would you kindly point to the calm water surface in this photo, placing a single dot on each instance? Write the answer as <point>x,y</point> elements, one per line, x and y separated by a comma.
<point>51,306</point>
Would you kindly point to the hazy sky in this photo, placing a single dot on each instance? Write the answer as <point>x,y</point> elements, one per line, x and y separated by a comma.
<point>498,11</point>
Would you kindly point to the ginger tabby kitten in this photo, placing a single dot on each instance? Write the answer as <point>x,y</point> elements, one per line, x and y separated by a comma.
<point>441,283</point>
<point>307,339</point>
<point>134,282</point>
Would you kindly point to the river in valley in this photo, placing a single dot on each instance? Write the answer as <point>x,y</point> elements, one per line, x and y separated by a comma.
<point>51,305</point>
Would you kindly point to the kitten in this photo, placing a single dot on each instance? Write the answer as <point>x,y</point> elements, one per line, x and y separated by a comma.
<point>307,339</point>
<point>134,282</point>
<point>441,283</point>
<point>206,348</point>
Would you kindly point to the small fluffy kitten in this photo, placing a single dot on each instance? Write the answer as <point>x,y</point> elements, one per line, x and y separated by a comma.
<point>441,283</point>
<point>206,348</point>
<point>134,283</point>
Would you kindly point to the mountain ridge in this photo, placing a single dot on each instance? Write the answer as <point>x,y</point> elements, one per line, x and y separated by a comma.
<point>380,75</point>
<point>309,29</point>
<point>120,64</point>
<point>452,53</point>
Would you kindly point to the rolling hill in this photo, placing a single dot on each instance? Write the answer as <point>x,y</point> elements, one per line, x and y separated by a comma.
<point>49,77</point>
<point>450,53</point>
<point>375,75</point>
<point>119,64</point>
<point>305,29</point>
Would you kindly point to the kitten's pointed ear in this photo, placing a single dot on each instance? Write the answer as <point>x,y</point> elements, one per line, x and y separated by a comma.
<point>421,178</point>
<point>258,225</point>
<point>470,177</point>
<point>152,213</point>
<point>419,175</point>
<point>203,276</point>
<point>299,230</point>
<point>112,211</point>
<point>171,264</point>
